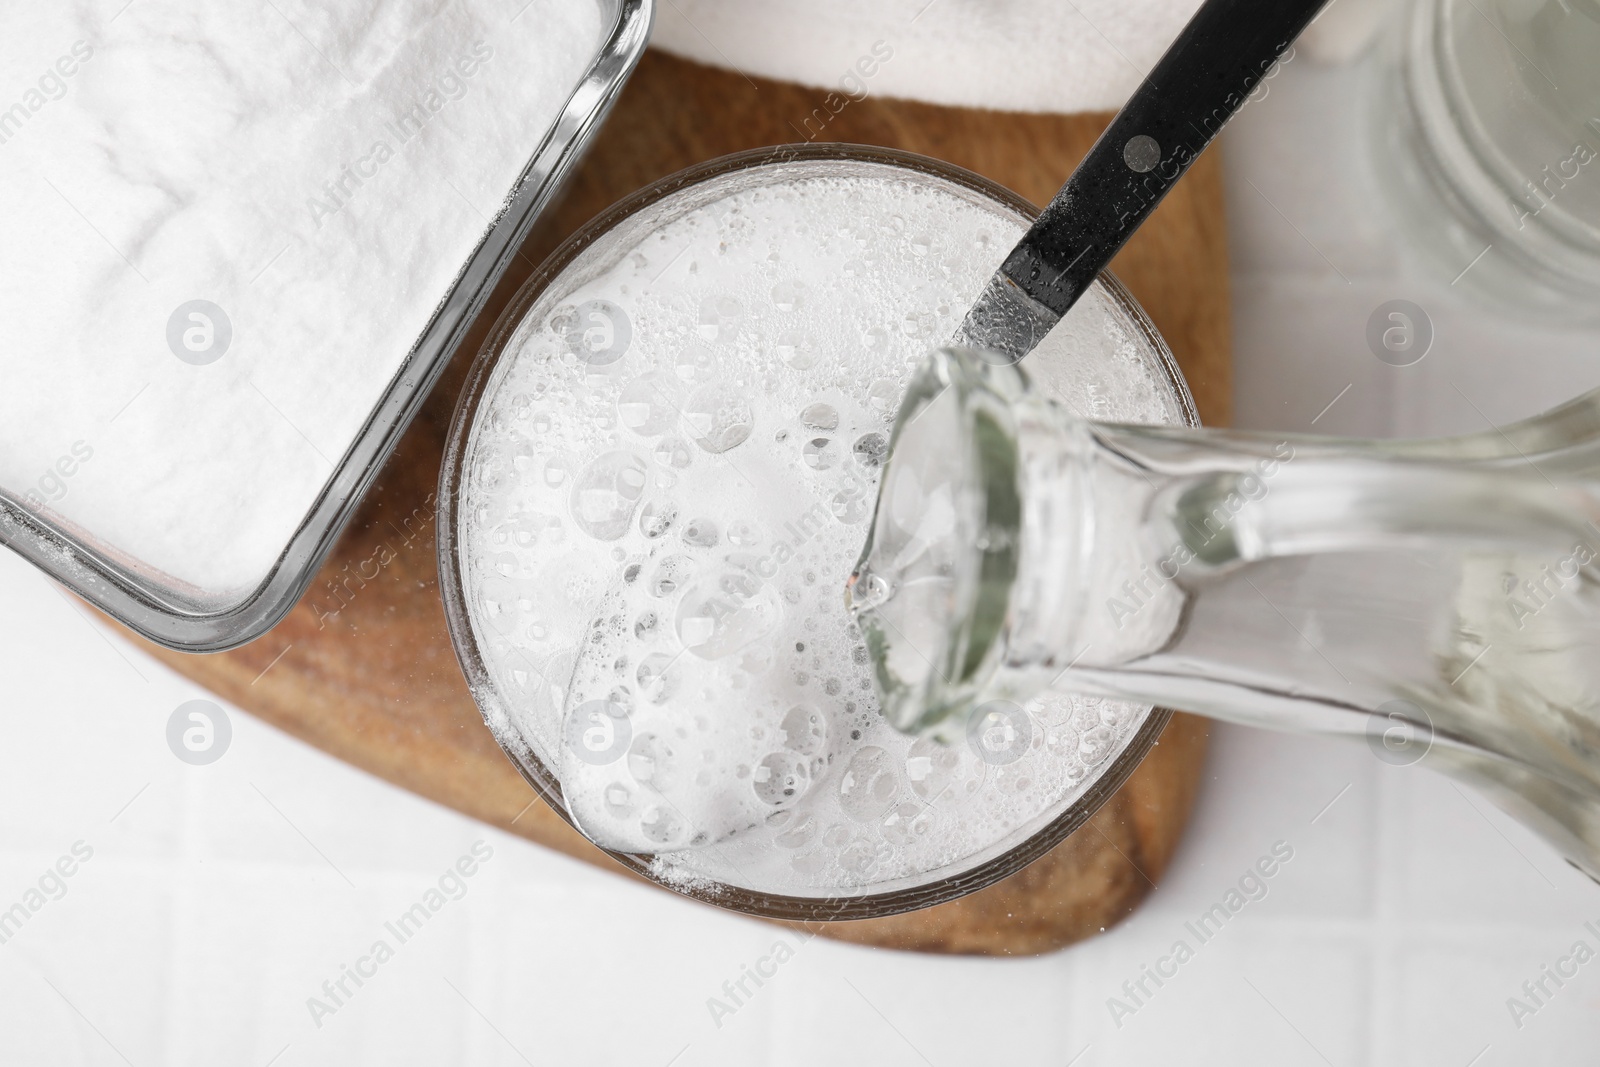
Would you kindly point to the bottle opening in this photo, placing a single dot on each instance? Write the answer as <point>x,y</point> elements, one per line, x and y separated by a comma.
<point>932,590</point>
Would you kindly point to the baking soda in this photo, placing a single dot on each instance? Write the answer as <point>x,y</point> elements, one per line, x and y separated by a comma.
<point>222,230</point>
<point>668,483</point>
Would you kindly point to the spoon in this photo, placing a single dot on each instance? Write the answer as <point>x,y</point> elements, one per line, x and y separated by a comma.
<point>1201,81</point>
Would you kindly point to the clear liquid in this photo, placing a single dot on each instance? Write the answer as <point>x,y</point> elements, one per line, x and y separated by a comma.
<point>657,543</point>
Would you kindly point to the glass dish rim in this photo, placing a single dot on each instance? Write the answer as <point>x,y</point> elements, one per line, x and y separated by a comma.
<point>844,906</point>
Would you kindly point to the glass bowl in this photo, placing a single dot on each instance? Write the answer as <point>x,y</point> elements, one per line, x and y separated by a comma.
<point>510,693</point>
<point>200,531</point>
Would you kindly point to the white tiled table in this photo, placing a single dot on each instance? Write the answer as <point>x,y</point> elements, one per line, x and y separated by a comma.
<point>219,899</point>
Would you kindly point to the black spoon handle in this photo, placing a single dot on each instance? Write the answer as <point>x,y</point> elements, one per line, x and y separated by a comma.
<point>1201,81</point>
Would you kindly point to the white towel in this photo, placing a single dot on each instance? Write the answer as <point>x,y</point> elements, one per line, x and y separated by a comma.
<point>1014,55</point>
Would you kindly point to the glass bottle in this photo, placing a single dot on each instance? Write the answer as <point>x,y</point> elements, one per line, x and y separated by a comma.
<point>1437,597</point>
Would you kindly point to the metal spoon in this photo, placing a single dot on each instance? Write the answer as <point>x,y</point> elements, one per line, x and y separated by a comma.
<point>1201,81</point>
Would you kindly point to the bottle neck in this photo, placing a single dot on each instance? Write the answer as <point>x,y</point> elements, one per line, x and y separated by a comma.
<point>1133,537</point>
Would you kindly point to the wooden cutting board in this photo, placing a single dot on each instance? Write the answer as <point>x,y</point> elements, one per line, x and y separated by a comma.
<point>375,681</point>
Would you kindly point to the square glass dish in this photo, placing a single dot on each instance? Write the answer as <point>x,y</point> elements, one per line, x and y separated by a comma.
<point>236,250</point>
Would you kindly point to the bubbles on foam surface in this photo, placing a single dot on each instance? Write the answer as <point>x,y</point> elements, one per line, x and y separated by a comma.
<point>820,417</point>
<point>658,544</point>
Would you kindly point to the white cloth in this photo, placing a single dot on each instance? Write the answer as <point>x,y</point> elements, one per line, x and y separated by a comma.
<point>1013,55</point>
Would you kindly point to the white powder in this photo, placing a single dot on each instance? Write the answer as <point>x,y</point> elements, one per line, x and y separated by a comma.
<point>657,541</point>
<point>157,153</point>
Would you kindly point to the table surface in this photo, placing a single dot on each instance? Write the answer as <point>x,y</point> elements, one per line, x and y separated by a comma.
<point>216,901</point>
